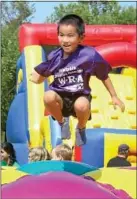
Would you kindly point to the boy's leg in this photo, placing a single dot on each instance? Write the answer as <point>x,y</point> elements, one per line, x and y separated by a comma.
<point>82,110</point>
<point>54,104</point>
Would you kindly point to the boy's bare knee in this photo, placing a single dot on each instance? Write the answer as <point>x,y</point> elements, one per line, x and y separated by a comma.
<point>82,105</point>
<point>49,97</point>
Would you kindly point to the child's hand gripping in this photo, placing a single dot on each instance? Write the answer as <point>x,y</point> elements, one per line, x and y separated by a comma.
<point>36,78</point>
<point>117,102</point>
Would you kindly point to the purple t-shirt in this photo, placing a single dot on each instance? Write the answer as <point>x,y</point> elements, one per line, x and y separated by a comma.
<point>73,73</point>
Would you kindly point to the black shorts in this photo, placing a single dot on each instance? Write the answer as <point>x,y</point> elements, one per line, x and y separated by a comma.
<point>68,103</point>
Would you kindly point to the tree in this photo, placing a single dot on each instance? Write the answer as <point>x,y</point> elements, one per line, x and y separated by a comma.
<point>12,16</point>
<point>99,12</point>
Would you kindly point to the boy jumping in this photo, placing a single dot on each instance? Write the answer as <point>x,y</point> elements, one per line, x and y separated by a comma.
<point>72,65</point>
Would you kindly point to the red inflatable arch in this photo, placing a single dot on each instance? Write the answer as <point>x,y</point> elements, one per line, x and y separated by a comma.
<point>116,43</point>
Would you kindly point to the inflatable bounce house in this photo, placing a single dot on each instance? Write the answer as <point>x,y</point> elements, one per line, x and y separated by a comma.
<point>28,122</point>
<point>30,125</point>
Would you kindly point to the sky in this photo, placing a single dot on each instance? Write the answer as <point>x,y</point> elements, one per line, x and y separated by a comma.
<point>45,9</point>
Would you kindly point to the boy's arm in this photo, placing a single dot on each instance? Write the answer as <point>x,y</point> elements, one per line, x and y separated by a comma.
<point>36,77</point>
<point>101,70</point>
<point>44,69</point>
<point>40,72</point>
<point>115,100</point>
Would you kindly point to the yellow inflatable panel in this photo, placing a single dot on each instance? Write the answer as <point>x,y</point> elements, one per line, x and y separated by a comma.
<point>35,95</point>
<point>112,141</point>
<point>50,79</point>
<point>71,141</point>
<point>19,78</point>
<point>103,113</point>
<point>130,72</point>
<point>45,132</point>
<point>119,178</point>
<point>10,174</point>
<point>132,159</point>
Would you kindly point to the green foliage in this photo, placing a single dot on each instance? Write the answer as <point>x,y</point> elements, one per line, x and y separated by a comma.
<point>99,12</point>
<point>13,15</point>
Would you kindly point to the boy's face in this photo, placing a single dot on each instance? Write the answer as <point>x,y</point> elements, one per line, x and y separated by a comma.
<point>69,39</point>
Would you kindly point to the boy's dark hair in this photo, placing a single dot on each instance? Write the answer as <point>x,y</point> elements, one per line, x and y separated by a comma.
<point>74,20</point>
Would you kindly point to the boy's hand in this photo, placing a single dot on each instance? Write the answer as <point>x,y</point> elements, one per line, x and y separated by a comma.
<point>118,102</point>
<point>32,78</point>
<point>36,78</point>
